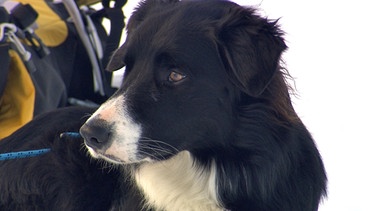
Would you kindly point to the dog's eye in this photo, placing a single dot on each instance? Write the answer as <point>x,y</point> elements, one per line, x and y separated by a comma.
<point>176,77</point>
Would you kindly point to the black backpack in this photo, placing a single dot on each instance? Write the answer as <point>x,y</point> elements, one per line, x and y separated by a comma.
<point>58,64</point>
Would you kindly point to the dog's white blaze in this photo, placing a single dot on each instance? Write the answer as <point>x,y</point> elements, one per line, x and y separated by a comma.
<point>177,184</point>
<point>125,132</point>
<point>169,185</point>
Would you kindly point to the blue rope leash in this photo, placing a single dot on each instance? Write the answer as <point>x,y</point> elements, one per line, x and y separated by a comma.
<point>23,154</point>
<point>34,153</point>
<point>70,134</point>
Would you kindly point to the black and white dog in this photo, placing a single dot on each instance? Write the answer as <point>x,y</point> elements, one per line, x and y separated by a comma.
<point>203,121</point>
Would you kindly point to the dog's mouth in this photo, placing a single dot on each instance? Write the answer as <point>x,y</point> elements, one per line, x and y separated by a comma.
<point>107,157</point>
<point>104,155</point>
<point>112,159</point>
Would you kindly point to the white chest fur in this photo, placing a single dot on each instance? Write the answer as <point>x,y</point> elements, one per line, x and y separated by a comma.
<point>178,184</point>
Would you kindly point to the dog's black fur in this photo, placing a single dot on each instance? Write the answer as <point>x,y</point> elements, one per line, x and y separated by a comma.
<point>63,179</point>
<point>232,108</point>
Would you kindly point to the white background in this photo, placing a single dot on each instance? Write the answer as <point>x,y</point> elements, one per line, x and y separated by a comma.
<point>331,57</point>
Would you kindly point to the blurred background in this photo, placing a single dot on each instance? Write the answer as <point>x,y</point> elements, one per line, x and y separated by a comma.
<point>330,55</point>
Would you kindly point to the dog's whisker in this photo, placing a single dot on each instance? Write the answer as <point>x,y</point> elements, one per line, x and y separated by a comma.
<point>145,139</point>
<point>162,152</point>
<point>86,116</point>
<point>154,157</point>
<point>159,151</point>
<point>159,147</point>
<point>155,148</point>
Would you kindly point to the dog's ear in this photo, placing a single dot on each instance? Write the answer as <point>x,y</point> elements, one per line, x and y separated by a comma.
<point>117,60</point>
<point>250,47</point>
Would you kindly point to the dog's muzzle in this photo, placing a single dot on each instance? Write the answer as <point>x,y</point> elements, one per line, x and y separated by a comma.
<point>110,133</point>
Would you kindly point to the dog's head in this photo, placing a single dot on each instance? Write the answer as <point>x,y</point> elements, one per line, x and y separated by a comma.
<point>189,66</point>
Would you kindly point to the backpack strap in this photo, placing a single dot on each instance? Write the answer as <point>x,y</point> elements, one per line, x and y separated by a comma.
<point>4,61</point>
<point>117,24</point>
<point>117,19</point>
<point>75,14</point>
<point>92,43</point>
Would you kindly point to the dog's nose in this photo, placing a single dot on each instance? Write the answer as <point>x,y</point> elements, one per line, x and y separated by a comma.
<point>96,134</point>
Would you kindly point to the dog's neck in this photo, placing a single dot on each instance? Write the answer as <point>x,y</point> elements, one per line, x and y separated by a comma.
<point>178,184</point>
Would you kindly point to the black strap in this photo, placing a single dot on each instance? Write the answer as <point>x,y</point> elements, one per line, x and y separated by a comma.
<point>4,15</point>
<point>4,61</point>
<point>116,16</point>
<point>118,3</point>
<point>4,53</point>
<point>23,15</point>
<point>117,20</point>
